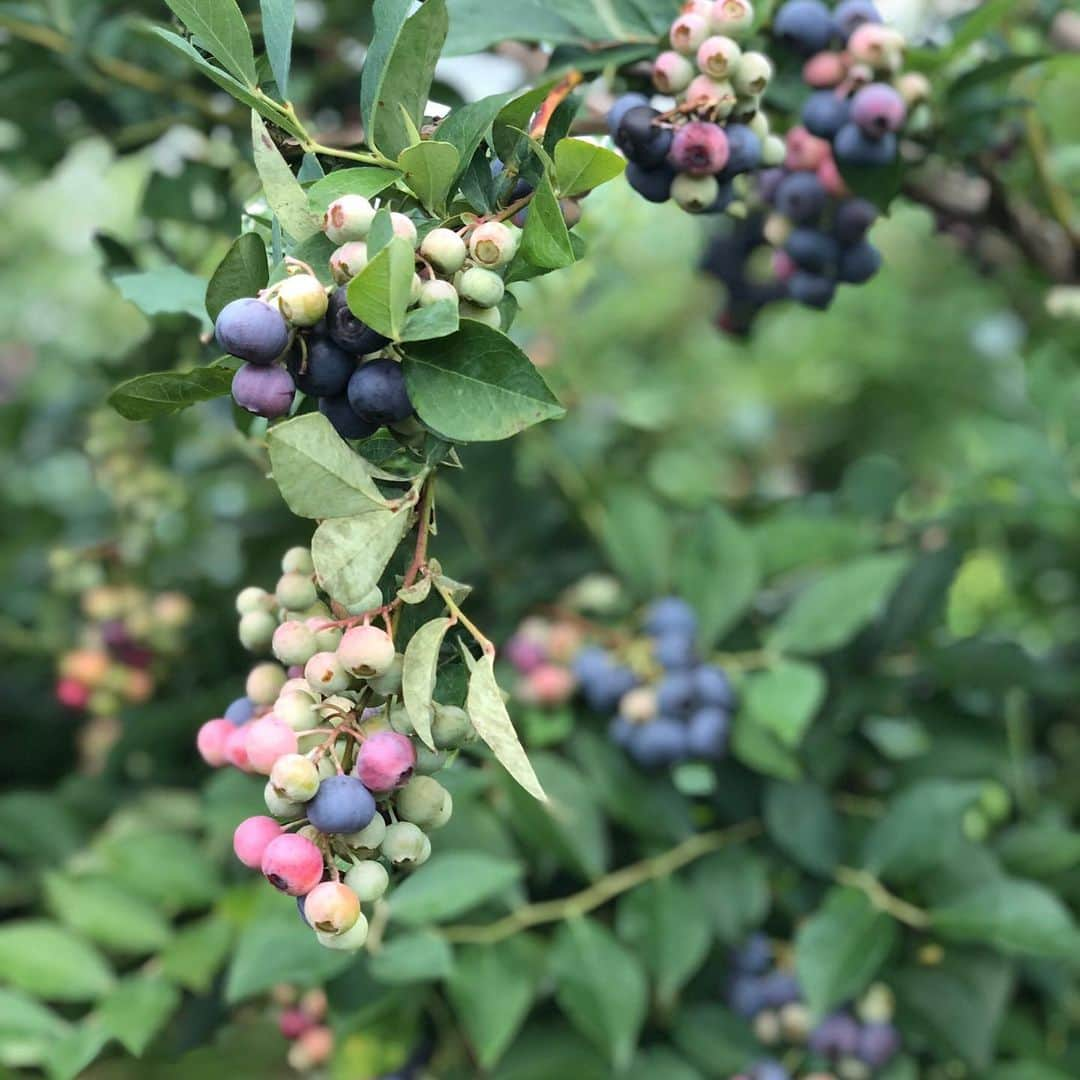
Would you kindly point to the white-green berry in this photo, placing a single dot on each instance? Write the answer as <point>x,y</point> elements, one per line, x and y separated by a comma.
<point>348,261</point>
<point>369,880</point>
<point>348,218</point>
<point>481,287</point>
<point>437,291</point>
<point>444,250</point>
<point>302,299</point>
<point>492,244</point>
<point>424,802</point>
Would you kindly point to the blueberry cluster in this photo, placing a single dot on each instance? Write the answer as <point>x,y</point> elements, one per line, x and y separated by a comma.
<point>327,725</point>
<point>299,335</point>
<point>541,652</point>
<point>855,1042</point>
<point>301,1020</point>
<point>718,130</point>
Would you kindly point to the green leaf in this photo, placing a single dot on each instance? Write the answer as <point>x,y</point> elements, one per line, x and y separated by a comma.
<point>1012,916</point>
<point>784,699</point>
<point>920,829</point>
<point>106,913</point>
<point>243,272</point>
<point>1039,850</point>
<point>165,290</point>
<point>840,949</point>
<point>828,614</point>
<point>467,126</point>
<point>801,822</point>
<point>50,962</point>
<point>715,1040</point>
<point>437,320</point>
<point>734,886</point>
<point>27,1029</point>
<point>660,1063</point>
<point>419,674</point>
<point>365,180</point>
<point>880,184</point>
<point>667,925</point>
<point>717,571</point>
<point>197,953</point>
<point>278,19</point>
<point>600,987</point>
<point>278,947</point>
<point>476,385</point>
<point>380,294</point>
<point>477,24</point>
<point>981,21</point>
<point>545,240</point>
<point>319,475</point>
<point>74,1051</point>
<point>759,749</point>
<point>412,958</point>
<point>165,867</point>
<point>226,81</point>
<point>37,828</point>
<point>219,28</point>
<point>581,166</point>
<point>452,883</point>
<point>429,170</point>
<point>492,989</point>
<point>285,196</point>
<point>162,393</point>
<point>351,553</point>
<point>137,1010</point>
<point>487,710</point>
<point>398,71</point>
<point>638,538</point>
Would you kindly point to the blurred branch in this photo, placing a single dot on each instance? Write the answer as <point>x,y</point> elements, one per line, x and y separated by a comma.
<point>605,889</point>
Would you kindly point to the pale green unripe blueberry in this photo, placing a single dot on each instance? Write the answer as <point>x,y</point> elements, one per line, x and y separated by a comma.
<point>400,720</point>
<point>366,651</point>
<point>295,777</point>
<point>732,17</point>
<point>326,765</point>
<point>327,635</point>
<point>752,74</point>
<point>369,880</point>
<point>437,291</point>
<point>372,602</point>
<point>309,832</point>
<point>368,839</point>
<point>481,287</point>
<point>348,218</point>
<point>450,727</point>
<point>424,802</point>
<point>773,151</point>
<point>405,845</point>
<point>298,560</point>
<point>445,250</point>
<point>492,244</point>
<point>325,672</point>
<point>302,299</point>
<point>717,56</point>
<point>256,630</point>
<point>389,682</point>
<point>416,289</point>
<point>296,591</point>
<point>348,261</point>
<point>254,599</point>
<point>759,124</point>
<point>299,685</point>
<point>488,316</point>
<point>293,643</point>
<point>351,941</point>
<point>403,226</point>
<point>695,193</point>
<point>298,710</point>
<point>264,683</point>
<point>429,761</point>
<point>279,806</point>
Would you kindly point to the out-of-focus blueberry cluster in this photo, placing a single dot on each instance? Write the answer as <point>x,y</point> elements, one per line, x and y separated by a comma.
<point>856,1041</point>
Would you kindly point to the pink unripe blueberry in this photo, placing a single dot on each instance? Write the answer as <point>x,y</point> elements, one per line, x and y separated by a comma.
<point>385,760</point>
<point>348,261</point>
<point>293,643</point>
<point>525,653</point>
<point>688,31</point>
<point>211,740</point>
<point>672,72</point>
<point>348,218</point>
<point>878,109</point>
<point>879,46</point>
<point>236,748</point>
<point>327,633</point>
<point>302,299</point>
<point>493,244</point>
<point>717,56</point>
<point>331,907</point>
<point>831,179</point>
<point>752,74</point>
<point>326,673</point>
<point>292,1023</point>
<point>72,694</point>
<point>264,391</point>
<point>267,740</point>
<point>445,250</point>
<point>550,684</point>
<point>705,93</point>
<point>783,266</point>
<point>366,651</point>
<point>252,837</point>
<point>699,148</point>
<point>292,864</point>
<point>403,227</point>
<point>312,1049</point>
<point>805,152</point>
<point>295,777</point>
<point>825,70</point>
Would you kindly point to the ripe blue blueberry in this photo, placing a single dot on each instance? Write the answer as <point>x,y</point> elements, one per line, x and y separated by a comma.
<point>801,196</point>
<point>860,263</point>
<point>854,147</point>
<point>346,423</point>
<point>779,988</point>
<point>675,693</point>
<point>836,1036</point>
<point>707,733</point>
<point>824,114</point>
<point>659,744</point>
<point>377,392</point>
<point>879,1043</point>
<point>804,25</point>
<point>813,250</point>
<point>744,150</point>
<point>324,371</point>
<point>621,731</point>
<point>813,290</point>
<point>604,690</point>
<point>264,391</point>
<point>745,995</point>
<point>769,1070</point>
<point>670,614</point>
<point>641,140</point>
<point>651,184</point>
<point>621,107</point>
<point>341,805</point>
<point>252,330</point>
<point>853,219</point>
<point>347,331</point>
<point>674,651</point>
<point>754,956</point>
<point>240,711</point>
<point>851,14</point>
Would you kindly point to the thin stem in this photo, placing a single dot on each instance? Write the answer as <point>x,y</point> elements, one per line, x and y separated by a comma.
<point>459,616</point>
<point>606,888</point>
<point>1057,196</point>
<point>882,899</point>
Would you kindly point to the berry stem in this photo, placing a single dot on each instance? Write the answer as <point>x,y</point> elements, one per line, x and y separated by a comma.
<point>459,616</point>
<point>882,899</point>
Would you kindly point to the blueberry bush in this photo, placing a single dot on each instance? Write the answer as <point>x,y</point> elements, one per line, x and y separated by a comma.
<point>744,751</point>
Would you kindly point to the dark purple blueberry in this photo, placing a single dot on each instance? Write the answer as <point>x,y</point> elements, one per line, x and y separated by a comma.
<point>754,956</point>
<point>824,114</point>
<point>805,26</point>
<point>264,391</point>
<point>744,150</point>
<point>853,219</point>
<point>745,995</point>
<point>812,290</point>
<point>621,731</point>
<point>854,147</point>
<point>377,392</point>
<point>642,141</point>
<point>769,183</point>
<point>621,107</point>
<point>860,263</point>
<point>252,330</point>
<point>779,988</point>
<point>346,423</point>
<point>347,331</point>
<point>801,196</point>
<point>725,196</point>
<point>813,250</point>
<point>651,184</point>
<point>851,14</point>
<point>326,367</point>
<point>836,1036</point>
<point>879,1043</point>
